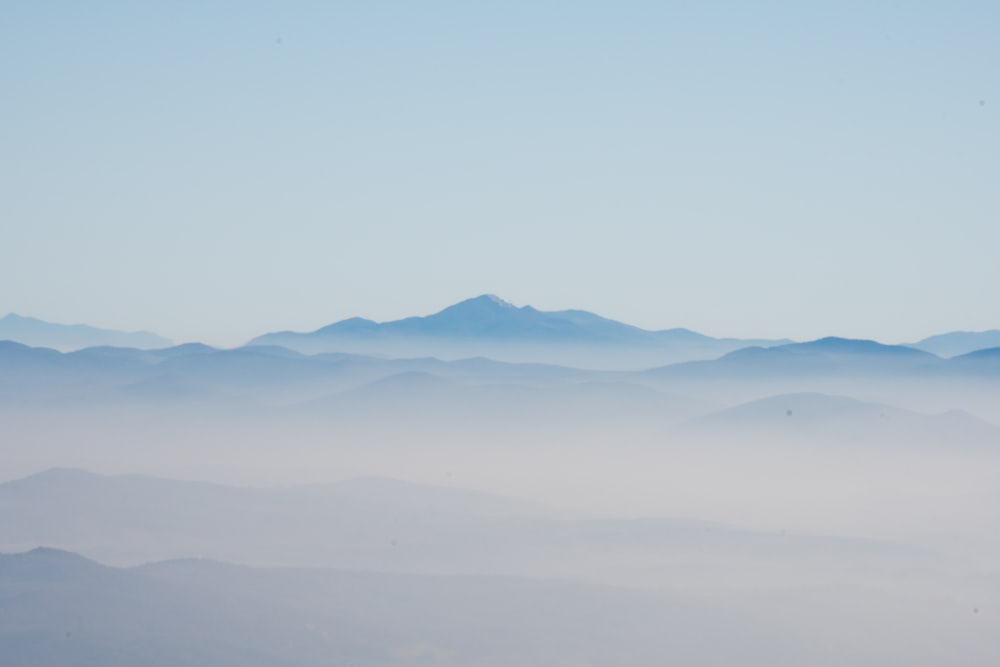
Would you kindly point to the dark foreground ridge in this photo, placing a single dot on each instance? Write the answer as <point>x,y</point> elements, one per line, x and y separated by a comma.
<point>60,609</point>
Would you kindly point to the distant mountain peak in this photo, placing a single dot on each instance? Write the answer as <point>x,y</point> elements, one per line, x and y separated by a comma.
<point>490,326</point>
<point>483,301</point>
<point>497,300</point>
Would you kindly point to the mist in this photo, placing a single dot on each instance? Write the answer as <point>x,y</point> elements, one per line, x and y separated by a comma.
<point>790,511</point>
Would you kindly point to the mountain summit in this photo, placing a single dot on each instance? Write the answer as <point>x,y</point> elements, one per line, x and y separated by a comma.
<point>484,317</point>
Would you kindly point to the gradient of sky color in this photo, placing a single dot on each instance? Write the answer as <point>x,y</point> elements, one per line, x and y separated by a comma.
<point>214,170</point>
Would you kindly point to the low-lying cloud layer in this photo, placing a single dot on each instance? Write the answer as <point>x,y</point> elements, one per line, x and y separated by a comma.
<point>773,506</point>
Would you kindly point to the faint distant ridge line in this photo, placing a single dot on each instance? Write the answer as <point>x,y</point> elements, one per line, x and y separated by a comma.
<point>66,337</point>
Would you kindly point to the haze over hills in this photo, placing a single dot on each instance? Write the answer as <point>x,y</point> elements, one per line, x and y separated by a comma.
<point>352,385</point>
<point>484,326</point>
<point>816,417</point>
<point>826,487</point>
<point>490,327</point>
<point>67,337</point>
<point>676,448</point>
<point>387,525</point>
<point>61,609</point>
<point>894,374</point>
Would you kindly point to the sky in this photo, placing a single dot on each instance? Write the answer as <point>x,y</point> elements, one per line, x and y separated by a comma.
<point>214,170</point>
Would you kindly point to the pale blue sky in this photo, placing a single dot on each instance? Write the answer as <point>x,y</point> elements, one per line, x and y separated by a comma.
<point>214,170</point>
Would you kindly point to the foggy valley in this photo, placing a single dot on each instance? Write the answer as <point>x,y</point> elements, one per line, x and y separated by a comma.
<point>829,502</point>
<point>645,333</point>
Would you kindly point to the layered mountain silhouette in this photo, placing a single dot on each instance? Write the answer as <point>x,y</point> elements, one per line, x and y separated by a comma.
<point>981,362</point>
<point>489,317</point>
<point>39,333</point>
<point>489,326</point>
<point>341,383</point>
<point>61,609</point>
<point>959,342</point>
<point>382,524</point>
<point>829,470</point>
<point>474,327</point>
<point>831,355</point>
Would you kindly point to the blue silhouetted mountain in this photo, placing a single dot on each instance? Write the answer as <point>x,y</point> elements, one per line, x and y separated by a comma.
<point>29,371</point>
<point>980,362</point>
<point>195,371</point>
<point>488,326</point>
<point>959,342</point>
<point>486,317</point>
<point>16,355</point>
<point>269,374</point>
<point>826,356</point>
<point>39,333</point>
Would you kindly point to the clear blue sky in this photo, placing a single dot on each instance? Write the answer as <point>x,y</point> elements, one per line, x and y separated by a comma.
<point>214,170</point>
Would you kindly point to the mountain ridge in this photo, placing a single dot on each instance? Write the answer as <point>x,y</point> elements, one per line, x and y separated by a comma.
<point>67,337</point>
<point>956,343</point>
<point>489,326</point>
<point>831,354</point>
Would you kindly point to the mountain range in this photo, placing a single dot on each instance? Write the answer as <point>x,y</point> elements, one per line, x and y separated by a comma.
<point>490,327</point>
<point>40,333</point>
<point>381,524</point>
<point>276,375</point>
<point>665,489</point>
<point>375,572</point>
<point>484,326</point>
